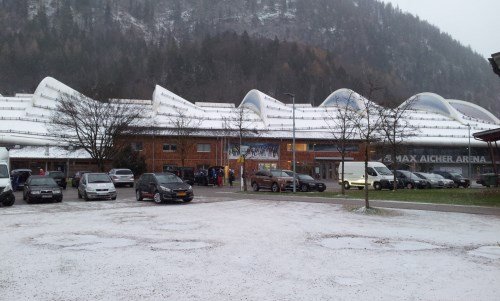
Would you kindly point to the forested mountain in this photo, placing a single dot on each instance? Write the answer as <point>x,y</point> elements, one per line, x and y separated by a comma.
<point>217,50</point>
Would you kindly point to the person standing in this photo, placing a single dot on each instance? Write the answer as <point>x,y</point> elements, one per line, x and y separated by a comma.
<point>231,177</point>
<point>41,172</point>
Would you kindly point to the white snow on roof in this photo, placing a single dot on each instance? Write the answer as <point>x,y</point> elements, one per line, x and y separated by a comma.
<point>40,152</point>
<point>24,118</point>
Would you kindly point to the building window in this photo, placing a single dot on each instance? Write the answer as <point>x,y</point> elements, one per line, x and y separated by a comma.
<point>300,147</point>
<point>136,146</point>
<point>203,148</point>
<point>169,147</point>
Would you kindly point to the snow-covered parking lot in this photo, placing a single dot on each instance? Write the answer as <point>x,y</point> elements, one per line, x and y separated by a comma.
<point>244,250</point>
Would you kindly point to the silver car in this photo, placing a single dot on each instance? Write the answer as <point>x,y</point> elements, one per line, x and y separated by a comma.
<point>122,176</point>
<point>95,186</point>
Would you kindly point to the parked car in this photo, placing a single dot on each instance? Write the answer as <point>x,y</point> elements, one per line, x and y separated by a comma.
<point>76,178</point>
<point>7,197</point>
<point>59,177</point>
<point>162,187</point>
<point>431,181</point>
<point>186,174</point>
<point>407,179</point>
<point>275,180</point>
<point>122,176</point>
<point>42,188</point>
<point>19,177</point>
<point>447,183</point>
<point>95,186</point>
<point>456,177</point>
<point>306,182</point>
<point>488,179</point>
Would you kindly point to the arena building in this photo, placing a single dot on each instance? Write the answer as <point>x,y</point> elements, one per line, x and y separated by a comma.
<point>443,131</point>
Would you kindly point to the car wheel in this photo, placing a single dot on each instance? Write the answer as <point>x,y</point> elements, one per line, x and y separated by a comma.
<point>113,198</point>
<point>9,201</point>
<point>361,188</point>
<point>321,190</point>
<point>428,186</point>
<point>187,200</point>
<point>346,185</point>
<point>377,186</point>
<point>79,194</point>
<point>157,197</point>
<point>255,186</point>
<point>409,186</point>
<point>304,188</point>
<point>24,196</point>
<point>275,187</point>
<point>85,196</point>
<point>138,195</point>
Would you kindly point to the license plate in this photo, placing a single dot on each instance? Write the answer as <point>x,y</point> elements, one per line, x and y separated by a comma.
<point>46,196</point>
<point>181,194</point>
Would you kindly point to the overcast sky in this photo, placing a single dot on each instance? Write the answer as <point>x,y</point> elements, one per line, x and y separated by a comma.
<point>472,22</point>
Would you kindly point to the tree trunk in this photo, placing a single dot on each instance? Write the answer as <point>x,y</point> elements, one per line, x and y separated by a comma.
<point>342,189</point>
<point>367,203</point>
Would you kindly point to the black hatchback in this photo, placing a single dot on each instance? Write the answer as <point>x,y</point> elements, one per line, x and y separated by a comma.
<point>41,188</point>
<point>162,187</point>
<point>308,183</point>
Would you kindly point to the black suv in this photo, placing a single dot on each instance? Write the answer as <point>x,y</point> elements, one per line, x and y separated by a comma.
<point>306,182</point>
<point>456,177</point>
<point>162,187</point>
<point>59,177</point>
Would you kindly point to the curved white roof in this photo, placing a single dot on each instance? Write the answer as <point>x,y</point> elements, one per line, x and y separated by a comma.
<point>24,118</point>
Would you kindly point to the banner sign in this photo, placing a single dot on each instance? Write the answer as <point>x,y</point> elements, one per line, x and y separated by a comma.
<point>257,151</point>
<point>439,159</point>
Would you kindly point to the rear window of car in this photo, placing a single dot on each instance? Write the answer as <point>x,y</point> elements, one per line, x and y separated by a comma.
<point>124,172</point>
<point>56,174</point>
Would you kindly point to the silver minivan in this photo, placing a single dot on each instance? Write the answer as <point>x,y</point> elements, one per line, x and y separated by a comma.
<point>95,186</point>
<point>122,176</point>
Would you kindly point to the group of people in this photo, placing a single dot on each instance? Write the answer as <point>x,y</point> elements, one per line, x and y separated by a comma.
<point>218,177</point>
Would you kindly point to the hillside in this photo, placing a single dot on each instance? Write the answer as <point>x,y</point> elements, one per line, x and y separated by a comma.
<point>218,50</point>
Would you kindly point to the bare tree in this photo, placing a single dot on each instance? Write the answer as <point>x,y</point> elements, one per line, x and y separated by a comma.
<point>241,127</point>
<point>93,125</point>
<point>183,129</point>
<point>341,122</point>
<point>368,125</point>
<point>395,129</point>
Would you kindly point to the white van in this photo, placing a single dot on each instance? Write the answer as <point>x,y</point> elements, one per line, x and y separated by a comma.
<point>379,176</point>
<point>6,194</point>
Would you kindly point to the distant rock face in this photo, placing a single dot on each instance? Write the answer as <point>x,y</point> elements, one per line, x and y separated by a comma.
<point>364,37</point>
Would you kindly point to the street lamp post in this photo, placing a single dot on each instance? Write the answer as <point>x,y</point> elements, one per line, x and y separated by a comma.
<point>293,141</point>
<point>468,160</point>
<point>314,160</point>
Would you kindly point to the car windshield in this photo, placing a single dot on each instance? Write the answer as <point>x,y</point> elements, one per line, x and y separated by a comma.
<point>98,178</point>
<point>168,178</point>
<point>383,171</point>
<point>457,175</point>
<point>436,176</point>
<point>42,182</point>
<point>56,174</point>
<point>124,172</point>
<point>420,176</point>
<point>4,173</point>
<point>305,177</point>
<point>279,173</point>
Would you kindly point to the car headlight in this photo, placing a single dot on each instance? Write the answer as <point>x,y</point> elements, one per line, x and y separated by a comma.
<point>190,188</point>
<point>35,192</point>
<point>90,189</point>
<point>57,191</point>
<point>165,189</point>
<point>8,187</point>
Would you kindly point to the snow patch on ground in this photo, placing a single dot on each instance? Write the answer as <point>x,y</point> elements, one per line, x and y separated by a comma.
<point>244,250</point>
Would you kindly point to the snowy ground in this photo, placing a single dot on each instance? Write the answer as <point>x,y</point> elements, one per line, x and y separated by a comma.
<point>244,250</point>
